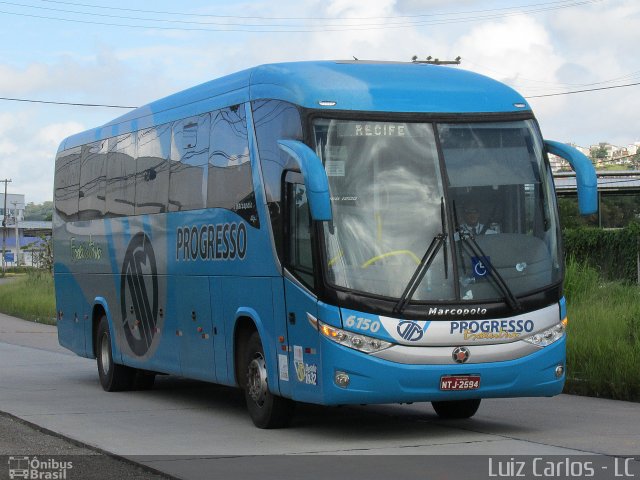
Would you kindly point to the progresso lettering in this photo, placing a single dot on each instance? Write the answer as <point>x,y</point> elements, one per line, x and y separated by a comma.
<point>224,241</point>
<point>492,326</point>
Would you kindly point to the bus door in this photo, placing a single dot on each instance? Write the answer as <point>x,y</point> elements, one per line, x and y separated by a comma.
<point>71,314</point>
<point>196,328</point>
<point>303,340</point>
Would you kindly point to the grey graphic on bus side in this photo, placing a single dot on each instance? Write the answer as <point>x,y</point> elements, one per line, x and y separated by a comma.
<point>139,285</point>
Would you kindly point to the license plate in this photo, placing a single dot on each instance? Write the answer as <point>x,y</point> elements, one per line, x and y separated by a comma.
<point>460,382</point>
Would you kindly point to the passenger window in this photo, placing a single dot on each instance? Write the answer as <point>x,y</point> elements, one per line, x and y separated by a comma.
<point>299,251</point>
<point>152,165</point>
<point>121,175</point>
<point>188,170</point>
<point>93,181</point>
<point>275,120</point>
<point>67,184</point>
<point>230,182</point>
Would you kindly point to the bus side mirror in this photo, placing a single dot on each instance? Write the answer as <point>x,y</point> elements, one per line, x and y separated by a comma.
<point>586,179</point>
<point>315,178</point>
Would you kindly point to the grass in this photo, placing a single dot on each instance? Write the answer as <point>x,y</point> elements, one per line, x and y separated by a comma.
<point>30,296</point>
<point>603,343</point>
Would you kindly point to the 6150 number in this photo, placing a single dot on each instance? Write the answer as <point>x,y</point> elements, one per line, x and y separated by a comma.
<point>365,324</point>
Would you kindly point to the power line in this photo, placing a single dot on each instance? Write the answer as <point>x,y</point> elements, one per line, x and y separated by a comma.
<point>314,18</point>
<point>29,100</point>
<point>585,90</point>
<point>550,84</point>
<point>294,28</point>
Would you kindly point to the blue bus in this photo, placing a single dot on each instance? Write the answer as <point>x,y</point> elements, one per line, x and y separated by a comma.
<point>338,232</point>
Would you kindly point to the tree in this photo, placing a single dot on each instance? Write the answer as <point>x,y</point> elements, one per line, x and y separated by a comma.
<point>635,160</point>
<point>41,212</point>
<point>43,256</point>
<point>599,152</point>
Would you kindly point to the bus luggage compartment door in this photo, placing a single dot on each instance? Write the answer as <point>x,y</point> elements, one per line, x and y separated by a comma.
<point>196,327</point>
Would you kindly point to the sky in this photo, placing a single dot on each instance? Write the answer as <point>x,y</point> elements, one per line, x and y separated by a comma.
<point>129,53</point>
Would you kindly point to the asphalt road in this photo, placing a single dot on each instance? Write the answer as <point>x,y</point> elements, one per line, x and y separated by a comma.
<point>195,430</point>
<point>19,439</point>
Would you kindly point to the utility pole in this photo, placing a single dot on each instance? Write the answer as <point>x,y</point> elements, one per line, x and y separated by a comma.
<point>4,223</point>
<point>15,218</point>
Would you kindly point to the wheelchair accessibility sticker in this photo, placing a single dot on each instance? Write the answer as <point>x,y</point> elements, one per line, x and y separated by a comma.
<point>480,266</point>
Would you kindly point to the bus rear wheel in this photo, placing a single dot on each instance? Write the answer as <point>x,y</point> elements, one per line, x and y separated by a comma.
<point>113,377</point>
<point>266,409</point>
<point>456,408</point>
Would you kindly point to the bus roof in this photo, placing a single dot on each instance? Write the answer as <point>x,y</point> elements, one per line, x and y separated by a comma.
<point>341,85</point>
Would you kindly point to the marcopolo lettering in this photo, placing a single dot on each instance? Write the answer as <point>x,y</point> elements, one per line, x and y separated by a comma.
<point>440,312</point>
<point>224,241</point>
<point>492,326</point>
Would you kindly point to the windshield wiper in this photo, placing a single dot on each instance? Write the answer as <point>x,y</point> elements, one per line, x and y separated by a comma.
<point>418,275</point>
<point>443,223</point>
<point>493,272</point>
<point>423,267</point>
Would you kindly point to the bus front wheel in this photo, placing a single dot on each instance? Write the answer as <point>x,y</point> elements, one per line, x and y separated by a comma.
<point>113,377</point>
<point>266,409</point>
<point>456,408</point>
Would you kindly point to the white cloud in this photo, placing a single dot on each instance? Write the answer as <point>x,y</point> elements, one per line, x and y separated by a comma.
<point>516,49</point>
<point>422,7</point>
<point>607,27</point>
<point>359,9</point>
<point>27,155</point>
<point>51,135</point>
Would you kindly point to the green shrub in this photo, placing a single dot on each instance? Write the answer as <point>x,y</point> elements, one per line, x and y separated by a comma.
<point>603,342</point>
<point>613,252</point>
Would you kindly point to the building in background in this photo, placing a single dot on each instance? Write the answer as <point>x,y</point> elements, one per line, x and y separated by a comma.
<point>22,239</point>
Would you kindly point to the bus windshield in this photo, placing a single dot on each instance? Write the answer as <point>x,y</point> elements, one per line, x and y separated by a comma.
<point>389,188</point>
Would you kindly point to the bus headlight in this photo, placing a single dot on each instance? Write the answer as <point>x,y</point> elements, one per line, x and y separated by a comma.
<point>549,336</point>
<point>357,341</point>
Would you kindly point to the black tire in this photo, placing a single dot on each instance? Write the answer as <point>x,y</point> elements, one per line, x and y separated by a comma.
<point>113,377</point>
<point>266,410</point>
<point>456,408</point>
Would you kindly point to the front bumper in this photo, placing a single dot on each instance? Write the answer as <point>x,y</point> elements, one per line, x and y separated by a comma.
<point>374,380</point>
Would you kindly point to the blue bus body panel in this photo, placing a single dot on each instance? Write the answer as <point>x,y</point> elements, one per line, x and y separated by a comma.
<point>384,87</point>
<point>197,293</point>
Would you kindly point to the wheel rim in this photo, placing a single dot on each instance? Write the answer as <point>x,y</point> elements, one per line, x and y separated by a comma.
<point>105,354</point>
<point>257,380</point>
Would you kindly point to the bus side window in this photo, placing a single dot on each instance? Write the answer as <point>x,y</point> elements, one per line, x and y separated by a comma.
<point>93,181</point>
<point>298,234</point>
<point>275,120</point>
<point>121,175</point>
<point>152,169</point>
<point>67,184</point>
<point>188,170</point>
<point>230,183</point>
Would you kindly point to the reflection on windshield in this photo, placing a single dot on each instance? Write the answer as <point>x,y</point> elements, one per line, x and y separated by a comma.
<point>386,188</point>
<point>501,197</point>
